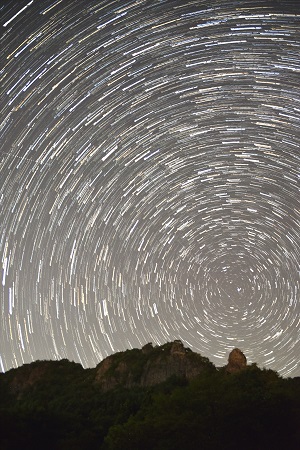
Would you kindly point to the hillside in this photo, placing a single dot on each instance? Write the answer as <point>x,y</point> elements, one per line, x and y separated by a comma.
<point>163,397</point>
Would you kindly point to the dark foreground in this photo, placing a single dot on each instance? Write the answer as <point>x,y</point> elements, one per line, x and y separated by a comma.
<point>64,408</point>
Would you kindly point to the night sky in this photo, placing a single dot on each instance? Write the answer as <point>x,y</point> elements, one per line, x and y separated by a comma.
<point>150,179</point>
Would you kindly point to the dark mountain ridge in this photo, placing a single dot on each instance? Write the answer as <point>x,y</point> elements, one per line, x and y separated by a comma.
<point>137,367</point>
<point>162,397</point>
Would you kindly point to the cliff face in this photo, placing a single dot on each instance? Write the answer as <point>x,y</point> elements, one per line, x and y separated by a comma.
<point>150,366</point>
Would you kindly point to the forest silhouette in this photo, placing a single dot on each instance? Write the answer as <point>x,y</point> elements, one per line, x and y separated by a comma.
<point>59,405</point>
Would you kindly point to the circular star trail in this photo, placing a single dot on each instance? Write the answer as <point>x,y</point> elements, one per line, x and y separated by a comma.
<point>150,173</point>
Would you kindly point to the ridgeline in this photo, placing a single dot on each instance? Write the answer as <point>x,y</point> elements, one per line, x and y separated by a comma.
<point>156,398</point>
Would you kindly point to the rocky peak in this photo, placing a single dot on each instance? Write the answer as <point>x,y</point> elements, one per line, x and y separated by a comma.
<point>150,366</point>
<point>236,361</point>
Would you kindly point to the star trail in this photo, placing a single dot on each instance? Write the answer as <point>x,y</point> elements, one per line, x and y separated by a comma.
<point>149,179</point>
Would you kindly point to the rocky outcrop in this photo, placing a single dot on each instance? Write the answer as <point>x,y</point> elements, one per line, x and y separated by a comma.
<point>111,373</point>
<point>236,361</point>
<point>143,367</point>
<point>150,366</point>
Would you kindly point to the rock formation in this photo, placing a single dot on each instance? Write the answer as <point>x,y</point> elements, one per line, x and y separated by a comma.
<point>236,361</point>
<point>144,367</point>
<point>150,366</point>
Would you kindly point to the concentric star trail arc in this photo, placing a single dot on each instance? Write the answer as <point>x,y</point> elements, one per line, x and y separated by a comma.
<point>149,179</point>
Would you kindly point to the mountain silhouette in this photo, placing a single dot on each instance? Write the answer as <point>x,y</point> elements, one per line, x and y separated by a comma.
<point>163,397</point>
